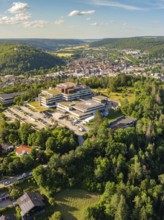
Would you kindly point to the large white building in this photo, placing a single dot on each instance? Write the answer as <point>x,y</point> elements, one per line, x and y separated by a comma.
<point>64,92</point>
<point>82,109</point>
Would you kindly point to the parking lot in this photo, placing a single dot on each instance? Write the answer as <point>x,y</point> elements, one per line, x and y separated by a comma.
<point>45,119</point>
<point>24,114</point>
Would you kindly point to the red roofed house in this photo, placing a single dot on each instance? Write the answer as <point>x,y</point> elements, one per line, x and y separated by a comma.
<point>23,150</point>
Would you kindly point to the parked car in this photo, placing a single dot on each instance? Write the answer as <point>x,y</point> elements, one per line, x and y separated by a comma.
<point>7,182</point>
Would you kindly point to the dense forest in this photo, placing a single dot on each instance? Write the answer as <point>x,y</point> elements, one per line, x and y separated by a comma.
<point>124,166</point>
<point>18,58</point>
<point>45,44</point>
<point>151,44</point>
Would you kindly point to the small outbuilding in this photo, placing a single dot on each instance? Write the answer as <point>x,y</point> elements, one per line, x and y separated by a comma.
<point>30,204</point>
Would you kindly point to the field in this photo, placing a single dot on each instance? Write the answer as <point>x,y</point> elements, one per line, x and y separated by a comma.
<point>72,204</point>
<point>118,96</point>
<point>64,54</point>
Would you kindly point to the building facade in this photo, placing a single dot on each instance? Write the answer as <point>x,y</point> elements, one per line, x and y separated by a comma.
<point>64,92</point>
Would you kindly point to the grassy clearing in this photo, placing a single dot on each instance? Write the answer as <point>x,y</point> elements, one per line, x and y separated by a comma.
<point>73,203</point>
<point>118,96</point>
<point>64,54</point>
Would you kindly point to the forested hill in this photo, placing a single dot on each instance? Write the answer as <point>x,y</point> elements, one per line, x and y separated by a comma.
<point>142,43</point>
<point>45,44</point>
<point>19,58</point>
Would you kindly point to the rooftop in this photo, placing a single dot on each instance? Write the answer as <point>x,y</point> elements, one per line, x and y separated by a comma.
<point>9,95</point>
<point>53,91</point>
<point>23,149</point>
<point>66,84</point>
<point>90,103</point>
<point>100,97</point>
<point>28,201</point>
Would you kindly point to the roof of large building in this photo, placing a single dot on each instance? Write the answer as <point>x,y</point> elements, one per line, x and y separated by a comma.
<point>66,84</point>
<point>9,95</point>
<point>90,103</point>
<point>100,97</point>
<point>23,149</point>
<point>28,201</point>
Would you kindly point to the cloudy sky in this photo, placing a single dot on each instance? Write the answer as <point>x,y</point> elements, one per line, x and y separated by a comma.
<point>81,18</point>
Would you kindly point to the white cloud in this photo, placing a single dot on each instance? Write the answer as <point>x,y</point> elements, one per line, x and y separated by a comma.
<point>18,7</point>
<point>21,17</point>
<point>116,5</point>
<point>17,19</point>
<point>35,24</point>
<point>94,24</point>
<point>77,12</point>
<point>60,21</point>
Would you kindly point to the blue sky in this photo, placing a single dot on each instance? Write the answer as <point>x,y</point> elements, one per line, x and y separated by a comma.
<point>82,19</point>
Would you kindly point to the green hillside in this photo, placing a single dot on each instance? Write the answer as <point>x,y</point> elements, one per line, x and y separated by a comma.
<point>19,58</point>
<point>45,44</point>
<point>143,43</point>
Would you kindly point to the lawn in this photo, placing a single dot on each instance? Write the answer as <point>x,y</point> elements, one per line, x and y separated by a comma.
<point>113,115</point>
<point>71,203</point>
<point>118,96</point>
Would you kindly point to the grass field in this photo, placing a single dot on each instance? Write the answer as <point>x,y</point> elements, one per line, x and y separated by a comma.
<point>64,54</point>
<point>73,203</point>
<point>118,96</point>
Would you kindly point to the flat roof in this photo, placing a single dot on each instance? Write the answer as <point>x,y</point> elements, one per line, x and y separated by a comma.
<point>66,84</point>
<point>122,122</point>
<point>100,97</point>
<point>68,104</point>
<point>53,91</point>
<point>9,95</point>
<point>90,103</point>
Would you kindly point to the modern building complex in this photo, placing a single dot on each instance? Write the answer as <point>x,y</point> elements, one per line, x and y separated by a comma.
<point>6,99</point>
<point>64,92</point>
<point>75,99</point>
<point>81,109</point>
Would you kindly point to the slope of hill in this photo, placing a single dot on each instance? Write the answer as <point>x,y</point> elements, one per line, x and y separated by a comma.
<point>18,58</point>
<point>142,43</point>
<point>45,44</point>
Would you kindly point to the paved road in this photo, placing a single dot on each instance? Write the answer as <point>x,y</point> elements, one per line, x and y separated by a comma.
<point>11,180</point>
<point>80,140</point>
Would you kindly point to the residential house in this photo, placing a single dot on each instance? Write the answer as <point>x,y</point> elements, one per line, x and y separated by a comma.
<point>23,150</point>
